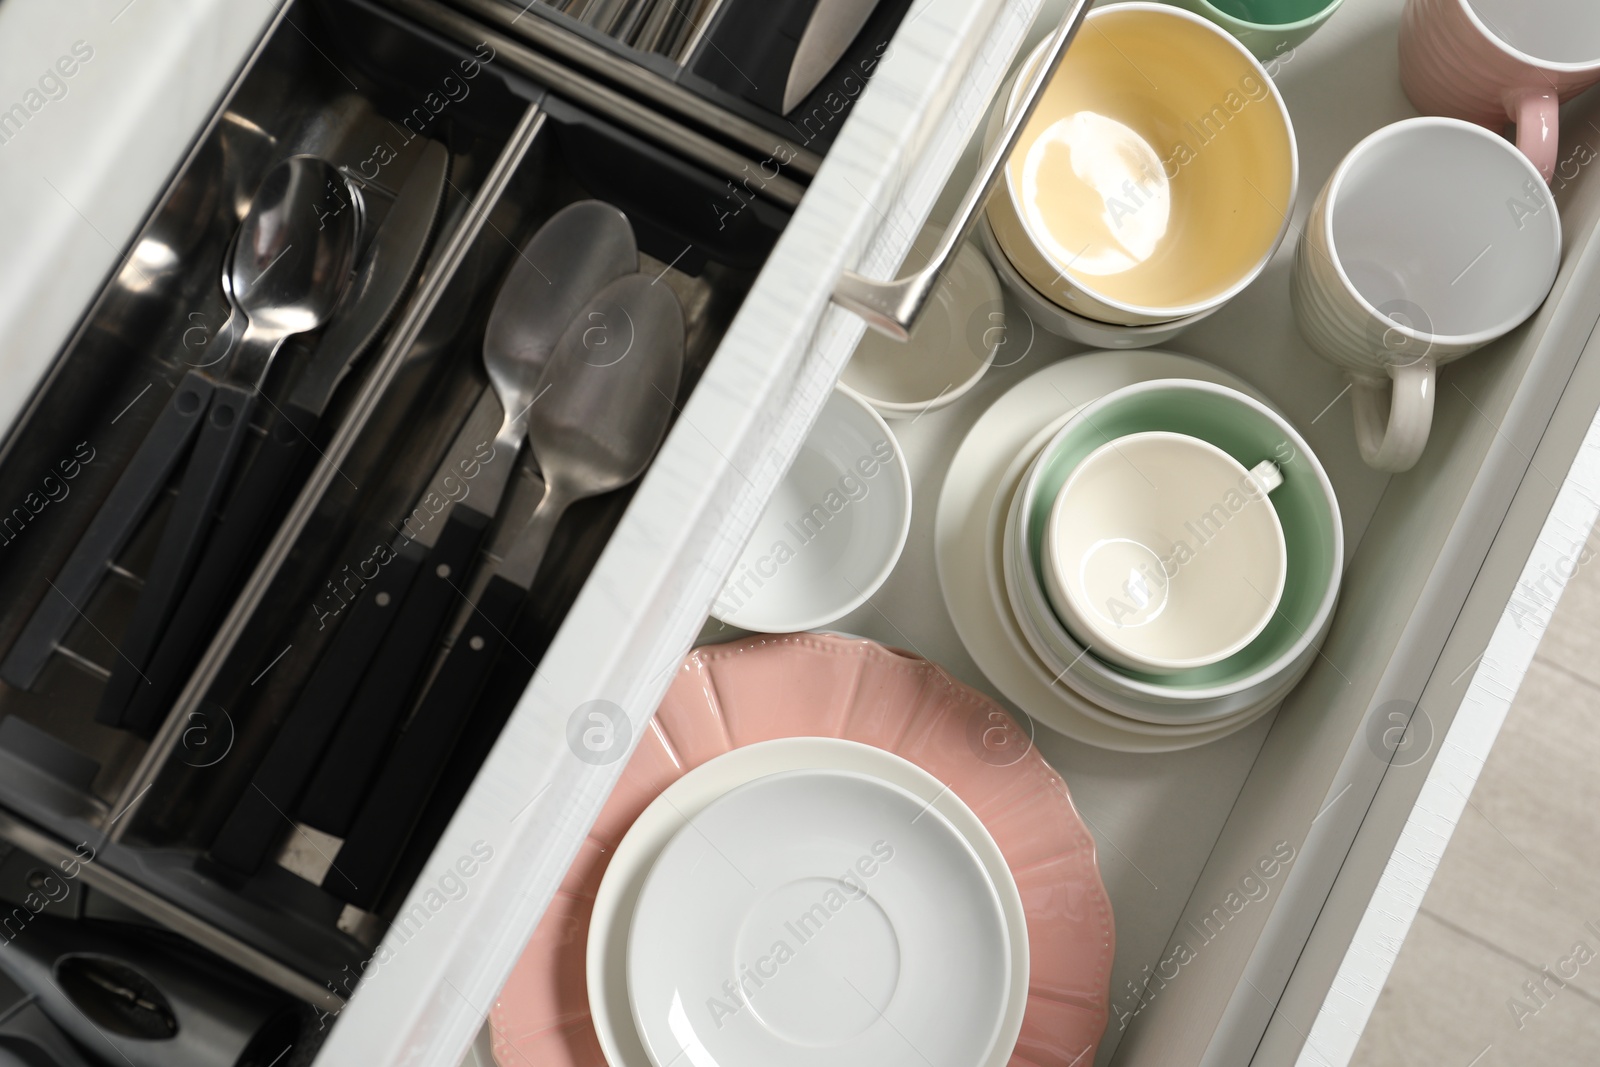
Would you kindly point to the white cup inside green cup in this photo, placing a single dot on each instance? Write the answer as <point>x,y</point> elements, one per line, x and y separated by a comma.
<point>1162,552</point>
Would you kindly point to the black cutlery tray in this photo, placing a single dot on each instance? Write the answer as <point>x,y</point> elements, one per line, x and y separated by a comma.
<point>335,77</point>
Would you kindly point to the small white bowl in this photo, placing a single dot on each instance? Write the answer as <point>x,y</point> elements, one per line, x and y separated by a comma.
<point>832,531</point>
<point>1051,316</point>
<point>951,346</point>
<point>1163,554</point>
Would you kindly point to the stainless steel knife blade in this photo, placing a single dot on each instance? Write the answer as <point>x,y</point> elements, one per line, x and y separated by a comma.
<point>828,33</point>
<point>391,265</point>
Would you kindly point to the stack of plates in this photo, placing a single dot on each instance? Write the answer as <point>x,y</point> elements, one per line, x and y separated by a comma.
<point>987,533</point>
<point>817,889</point>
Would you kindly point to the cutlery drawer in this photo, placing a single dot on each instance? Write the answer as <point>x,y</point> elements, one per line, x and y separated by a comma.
<point>368,90</point>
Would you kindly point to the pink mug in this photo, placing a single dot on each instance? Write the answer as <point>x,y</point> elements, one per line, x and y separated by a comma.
<point>1489,61</point>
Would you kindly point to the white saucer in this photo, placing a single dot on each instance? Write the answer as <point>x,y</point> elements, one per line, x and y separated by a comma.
<point>818,918</point>
<point>612,913</point>
<point>967,543</point>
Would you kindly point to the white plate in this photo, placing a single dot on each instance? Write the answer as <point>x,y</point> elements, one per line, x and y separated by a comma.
<point>606,959</point>
<point>967,545</point>
<point>832,530</point>
<point>818,918</point>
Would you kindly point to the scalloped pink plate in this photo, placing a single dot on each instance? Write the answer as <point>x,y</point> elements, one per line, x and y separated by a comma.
<point>815,685</point>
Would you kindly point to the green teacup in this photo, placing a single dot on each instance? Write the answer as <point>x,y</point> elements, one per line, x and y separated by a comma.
<point>1270,29</point>
<point>1250,433</point>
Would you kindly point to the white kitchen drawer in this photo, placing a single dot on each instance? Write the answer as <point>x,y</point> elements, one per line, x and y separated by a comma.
<point>1435,556</point>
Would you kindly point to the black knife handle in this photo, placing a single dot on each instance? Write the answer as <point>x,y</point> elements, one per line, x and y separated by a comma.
<point>392,806</point>
<point>261,816</point>
<point>335,792</point>
<point>124,507</point>
<point>245,521</point>
<point>226,425</point>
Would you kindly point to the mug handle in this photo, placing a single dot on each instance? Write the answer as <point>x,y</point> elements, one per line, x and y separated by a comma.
<point>1537,115</point>
<point>1392,430</point>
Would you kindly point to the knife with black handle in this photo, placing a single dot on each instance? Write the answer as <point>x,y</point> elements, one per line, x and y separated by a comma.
<point>266,810</point>
<point>392,262</point>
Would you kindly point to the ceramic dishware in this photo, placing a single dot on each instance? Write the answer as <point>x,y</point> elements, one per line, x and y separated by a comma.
<point>1494,61</point>
<point>950,348</point>
<point>1269,28</point>
<point>756,689</point>
<point>1162,552</point>
<point>1137,200</point>
<point>816,917</point>
<point>605,961</point>
<point>1053,318</point>
<point>832,530</point>
<point>969,542</point>
<point>1432,238</point>
<point>1304,504</point>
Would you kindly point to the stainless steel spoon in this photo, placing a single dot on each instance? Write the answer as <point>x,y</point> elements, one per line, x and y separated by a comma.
<point>291,262</point>
<point>572,256</point>
<point>282,218</point>
<point>603,407</point>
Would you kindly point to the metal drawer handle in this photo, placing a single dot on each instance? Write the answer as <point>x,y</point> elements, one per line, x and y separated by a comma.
<point>893,307</point>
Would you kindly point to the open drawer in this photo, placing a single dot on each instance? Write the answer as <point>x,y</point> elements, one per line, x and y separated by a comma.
<point>1433,557</point>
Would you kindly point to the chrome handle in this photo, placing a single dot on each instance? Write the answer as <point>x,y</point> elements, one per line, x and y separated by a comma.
<point>893,307</point>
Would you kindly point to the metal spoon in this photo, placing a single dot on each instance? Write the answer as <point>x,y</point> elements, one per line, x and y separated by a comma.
<point>577,251</point>
<point>291,261</point>
<point>603,408</point>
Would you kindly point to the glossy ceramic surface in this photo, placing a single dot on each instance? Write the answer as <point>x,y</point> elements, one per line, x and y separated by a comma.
<point>1054,318</point>
<point>1494,61</point>
<point>606,958</point>
<point>818,917</point>
<point>763,688</point>
<point>951,346</point>
<point>1271,29</point>
<point>1432,238</point>
<point>1098,690</point>
<point>968,536</point>
<point>1137,200</point>
<point>1163,552</point>
<point>832,530</point>
<point>1305,504</point>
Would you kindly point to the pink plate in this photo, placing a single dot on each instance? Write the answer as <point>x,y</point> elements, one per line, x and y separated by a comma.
<point>814,685</point>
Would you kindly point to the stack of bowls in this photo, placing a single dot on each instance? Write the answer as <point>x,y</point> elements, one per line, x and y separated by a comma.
<point>1173,554</point>
<point>1152,183</point>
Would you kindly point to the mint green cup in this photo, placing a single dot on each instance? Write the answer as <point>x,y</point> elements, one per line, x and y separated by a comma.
<point>1270,29</point>
<point>1305,503</point>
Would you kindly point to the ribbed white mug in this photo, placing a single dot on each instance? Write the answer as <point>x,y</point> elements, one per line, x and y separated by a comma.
<point>1432,238</point>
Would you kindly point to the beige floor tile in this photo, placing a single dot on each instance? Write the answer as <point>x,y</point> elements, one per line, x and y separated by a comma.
<point>1445,1005</point>
<point>1573,638</point>
<point>1487,888</point>
<point>1540,790</point>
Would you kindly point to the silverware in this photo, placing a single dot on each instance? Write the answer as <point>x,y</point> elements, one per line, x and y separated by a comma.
<point>830,30</point>
<point>605,402</point>
<point>194,402</point>
<point>393,258</point>
<point>579,250</point>
<point>290,265</point>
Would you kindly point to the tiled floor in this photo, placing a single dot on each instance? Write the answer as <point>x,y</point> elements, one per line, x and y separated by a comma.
<point>1502,967</point>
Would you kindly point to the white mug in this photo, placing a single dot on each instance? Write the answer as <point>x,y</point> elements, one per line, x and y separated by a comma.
<point>1432,238</point>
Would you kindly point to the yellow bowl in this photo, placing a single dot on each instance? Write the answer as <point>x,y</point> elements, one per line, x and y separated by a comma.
<point>1155,178</point>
